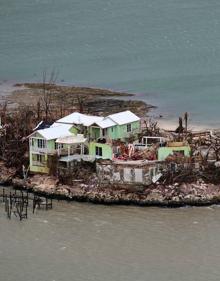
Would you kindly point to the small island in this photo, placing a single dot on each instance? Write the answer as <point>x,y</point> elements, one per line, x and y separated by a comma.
<point>100,146</point>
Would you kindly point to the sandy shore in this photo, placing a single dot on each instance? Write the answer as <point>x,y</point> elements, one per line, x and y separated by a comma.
<point>172,125</point>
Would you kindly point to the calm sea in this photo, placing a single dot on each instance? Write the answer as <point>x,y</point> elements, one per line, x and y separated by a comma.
<point>168,52</point>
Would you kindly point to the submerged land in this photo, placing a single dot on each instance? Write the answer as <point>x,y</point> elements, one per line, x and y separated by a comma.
<point>32,102</point>
<point>66,99</point>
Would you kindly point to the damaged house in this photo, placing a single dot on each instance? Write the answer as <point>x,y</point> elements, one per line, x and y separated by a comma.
<point>60,142</point>
<point>79,137</point>
<point>102,131</point>
<point>175,150</point>
<point>112,140</point>
<point>119,126</point>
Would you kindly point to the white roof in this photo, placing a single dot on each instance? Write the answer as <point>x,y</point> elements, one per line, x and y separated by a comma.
<point>74,139</point>
<point>120,118</point>
<point>124,117</point>
<point>61,128</point>
<point>54,132</point>
<point>106,123</point>
<point>80,119</point>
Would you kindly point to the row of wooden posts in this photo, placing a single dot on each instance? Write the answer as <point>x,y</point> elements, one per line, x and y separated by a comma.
<point>17,203</point>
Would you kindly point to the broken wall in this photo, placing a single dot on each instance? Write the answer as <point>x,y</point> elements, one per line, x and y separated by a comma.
<point>131,172</point>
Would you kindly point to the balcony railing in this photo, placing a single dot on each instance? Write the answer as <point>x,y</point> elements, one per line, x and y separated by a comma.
<point>43,150</point>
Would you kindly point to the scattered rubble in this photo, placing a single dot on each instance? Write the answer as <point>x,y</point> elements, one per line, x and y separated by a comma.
<point>173,195</point>
<point>191,180</point>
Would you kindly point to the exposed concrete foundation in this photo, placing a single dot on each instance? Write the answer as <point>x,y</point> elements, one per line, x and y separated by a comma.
<point>127,172</point>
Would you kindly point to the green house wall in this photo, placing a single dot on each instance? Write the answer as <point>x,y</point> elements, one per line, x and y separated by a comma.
<point>94,132</point>
<point>50,143</point>
<point>164,152</point>
<point>50,146</point>
<point>122,130</point>
<point>112,132</point>
<point>74,130</point>
<point>116,132</point>
<point>106,150</point>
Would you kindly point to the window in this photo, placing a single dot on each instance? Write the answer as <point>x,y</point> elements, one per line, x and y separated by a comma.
<point>98,151</point>
<point>32,142</point>
<point>104,132</point>
<point>38,158</point>
<point>128,128</point>
<point>112,129</point>
<point>57,145</point>
<point>41,143</point>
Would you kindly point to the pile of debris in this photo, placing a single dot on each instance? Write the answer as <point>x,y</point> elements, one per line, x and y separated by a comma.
<point>177,194</point>
<point>130,152</point>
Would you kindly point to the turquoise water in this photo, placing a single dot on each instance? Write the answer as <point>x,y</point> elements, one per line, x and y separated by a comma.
<point>166,51</point>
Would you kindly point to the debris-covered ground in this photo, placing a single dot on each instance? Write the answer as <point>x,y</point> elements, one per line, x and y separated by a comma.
<point>198,193</point>
<point>173,195</point>
<point>199,184</point>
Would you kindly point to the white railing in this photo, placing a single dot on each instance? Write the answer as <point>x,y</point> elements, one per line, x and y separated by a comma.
<point>88,158</point>
<point>42,150</point>
<point>140,146</point>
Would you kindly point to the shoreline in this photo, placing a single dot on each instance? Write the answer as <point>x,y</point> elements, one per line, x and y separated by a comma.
<point>67,99</point>
<point>172,125</point>
<point>170,196</point>
<point>9,88</point>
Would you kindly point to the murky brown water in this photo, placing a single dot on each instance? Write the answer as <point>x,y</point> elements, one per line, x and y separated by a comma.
<point>83,242</point>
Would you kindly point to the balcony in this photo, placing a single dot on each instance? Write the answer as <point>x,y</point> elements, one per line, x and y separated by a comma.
<point>44,150</point>
<point>70,151</point>
<point>77,157</point>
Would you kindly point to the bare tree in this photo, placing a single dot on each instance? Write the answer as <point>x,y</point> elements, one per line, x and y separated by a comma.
<point>39,111</point>
<point>13,142</point>
<point>80,103</point>
<point>47,94</point>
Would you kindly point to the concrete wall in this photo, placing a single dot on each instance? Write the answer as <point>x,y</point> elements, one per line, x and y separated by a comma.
<point>164,152</point>
<point>132,172</point>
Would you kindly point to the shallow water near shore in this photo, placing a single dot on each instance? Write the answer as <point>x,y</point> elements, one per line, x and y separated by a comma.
<point>80,241</point>
<point>165,51</point>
